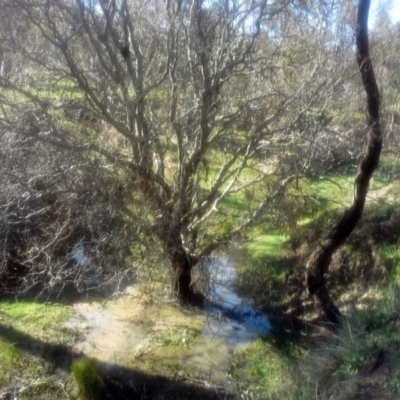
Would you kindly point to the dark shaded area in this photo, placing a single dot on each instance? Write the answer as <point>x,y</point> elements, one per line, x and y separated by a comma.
<point>118,383</point>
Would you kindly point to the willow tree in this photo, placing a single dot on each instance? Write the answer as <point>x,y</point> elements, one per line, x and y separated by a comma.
<point>182,99</point>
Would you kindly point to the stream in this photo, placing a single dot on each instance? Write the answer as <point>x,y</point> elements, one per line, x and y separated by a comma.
<point>158,338</point>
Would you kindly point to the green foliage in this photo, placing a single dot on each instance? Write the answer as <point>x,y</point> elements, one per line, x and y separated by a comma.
<point>87,376</point>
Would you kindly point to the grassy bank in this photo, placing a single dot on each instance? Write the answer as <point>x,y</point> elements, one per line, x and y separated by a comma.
<point>27,332</point>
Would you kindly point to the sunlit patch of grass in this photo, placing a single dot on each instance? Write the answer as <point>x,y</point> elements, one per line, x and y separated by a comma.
<point>268,373</point>
<point>263,253</point>
<point>267,246</point>
<point>336,189</point>
<point>263,266</point>
<point>42,322</point>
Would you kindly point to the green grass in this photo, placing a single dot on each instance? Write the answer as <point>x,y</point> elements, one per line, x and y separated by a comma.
<point>264,254</point>
<point>171,340</point>
<point>11,360</point>
<point>264,247</point>
<point>390,254</point>
<point>336,189</point>
<point>40,322</point>
<point>87,377</point>
<point>372,327</point>
<point>268,372</point>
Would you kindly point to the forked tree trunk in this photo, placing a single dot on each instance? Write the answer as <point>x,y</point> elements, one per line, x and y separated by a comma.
<point>319,261</point>
<point>182,278</point>
<point>182,263</point>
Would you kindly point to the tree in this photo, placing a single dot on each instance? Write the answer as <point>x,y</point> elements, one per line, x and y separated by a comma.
<point>184,100</point>
<point>319,261</point>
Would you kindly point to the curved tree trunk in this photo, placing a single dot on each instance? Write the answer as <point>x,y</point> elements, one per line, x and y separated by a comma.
<point>318,263</point>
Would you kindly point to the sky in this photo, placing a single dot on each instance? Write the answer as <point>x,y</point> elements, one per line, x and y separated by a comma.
<point>395,9</point>
<point>396,12</point>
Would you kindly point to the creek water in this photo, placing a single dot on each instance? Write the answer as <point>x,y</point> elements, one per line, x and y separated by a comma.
<point>128,332</point>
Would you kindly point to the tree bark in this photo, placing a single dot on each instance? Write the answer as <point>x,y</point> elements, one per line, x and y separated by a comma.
<point>318,263</point>
<point>182,263</point>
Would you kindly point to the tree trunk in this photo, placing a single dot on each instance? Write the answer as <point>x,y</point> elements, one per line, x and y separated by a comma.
<point>319,261</point>
<point>182,278</point>
<point>182,263</point>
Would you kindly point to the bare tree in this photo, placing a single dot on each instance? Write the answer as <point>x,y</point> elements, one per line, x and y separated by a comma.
<point>52,203</point>
<point>185,101</point>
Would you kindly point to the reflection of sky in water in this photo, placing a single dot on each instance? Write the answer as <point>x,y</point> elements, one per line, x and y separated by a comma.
<point>231,318</point>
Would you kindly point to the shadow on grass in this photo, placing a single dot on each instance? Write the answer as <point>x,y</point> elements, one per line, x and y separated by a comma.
<point>119,382</point>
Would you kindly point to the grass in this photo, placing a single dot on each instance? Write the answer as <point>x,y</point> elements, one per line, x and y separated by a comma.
<point>370,330</point>
<point>262,370</point>
<point>171,339</point>
<point>41,322</point>
<point>371,327</point>
<point>175,339</point>
<point>390,254</point>
<point>87,377</point>
<point>263,266</point>
<point>11,360</point>
<point>342,362</point>
<point>336,190</point>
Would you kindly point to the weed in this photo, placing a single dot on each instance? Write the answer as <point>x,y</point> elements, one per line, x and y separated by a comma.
<point>87,377</point>
<point>171,339</point>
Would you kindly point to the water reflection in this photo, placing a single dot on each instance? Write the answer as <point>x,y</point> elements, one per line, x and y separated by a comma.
<point>231,318</point>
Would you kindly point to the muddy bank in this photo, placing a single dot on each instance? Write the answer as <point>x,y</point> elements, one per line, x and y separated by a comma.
<point>159,338</point>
